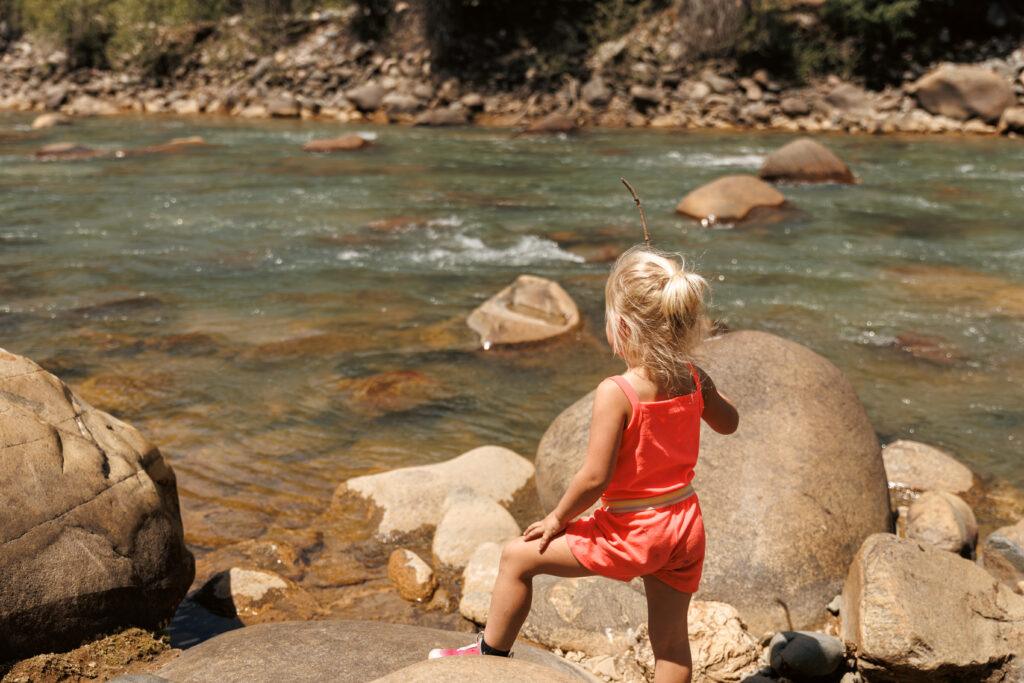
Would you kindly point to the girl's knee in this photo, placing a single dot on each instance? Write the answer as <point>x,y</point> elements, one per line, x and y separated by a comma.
<point>513,556</point>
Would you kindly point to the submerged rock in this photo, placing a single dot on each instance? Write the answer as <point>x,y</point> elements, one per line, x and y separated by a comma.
<point>729,199</point>
<point>964,92</point>
<point>413,497</point>
<point>945,521</point>
<point>67,151</point>
<point>391,392</point>
<point>531,309</point>
<point>806,161</point>
<point>345,143</point>
<point>782,569</point>
<point>337,650</point>
<point>91,539</point>
<point>916,613</point>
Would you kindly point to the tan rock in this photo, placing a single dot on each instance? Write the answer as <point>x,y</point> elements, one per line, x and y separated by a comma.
<point>1012,121</point>
<point>473,669</point>
<point>469,520</point>
<point>916,613</point>
<point>721,647</point>
<point>345,143</point>
<point>531,309</point>
<point>391,392</point>
<point>256,596</point>
<point>807,161</point>
<point>729,199</point>
<point>478,582</point>
<point>413,577</point>
<point>964,92</point>
<point>556,122</point>
<point>1003,555</point>
<point>945,521</point>
<point>50,120</point>
<point>920,467</point>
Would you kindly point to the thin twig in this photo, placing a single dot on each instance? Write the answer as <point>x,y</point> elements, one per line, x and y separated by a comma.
<point>643,216</point>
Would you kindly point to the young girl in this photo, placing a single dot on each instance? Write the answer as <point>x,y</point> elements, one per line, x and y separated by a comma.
<point>644,437</point>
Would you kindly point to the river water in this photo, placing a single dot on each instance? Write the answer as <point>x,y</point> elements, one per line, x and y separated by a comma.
<point>223,299</point>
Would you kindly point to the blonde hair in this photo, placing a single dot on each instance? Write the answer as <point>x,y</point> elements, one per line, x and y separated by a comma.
<point>656,314</point>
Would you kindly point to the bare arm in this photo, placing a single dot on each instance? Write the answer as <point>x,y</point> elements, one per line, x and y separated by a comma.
<point>719,412</point>
<point>611,409</point>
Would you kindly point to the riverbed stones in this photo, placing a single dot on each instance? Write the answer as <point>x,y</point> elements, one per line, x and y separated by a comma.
<point>964,92</point>
<point>470,519</point>
<point>91,539</point>
<point>729,199</point>
<point>919,467</point>
<point>822,452</point>
<point>336,650</point>
<point>345,143</point>
<point>394,391</point>
<point>805,655</point>
<point>413,497</point>
<point>256,596</point>
<point>945,521</point>
<point>805,161</point>
<point>367,97</point>
<point>50,120</point>
<point>1003,555</point>
<point>413,577</point>
<point>917,613</point>
<point>531,309</point>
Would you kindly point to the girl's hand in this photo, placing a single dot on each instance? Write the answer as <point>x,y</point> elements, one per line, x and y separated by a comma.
<point>545,529</point>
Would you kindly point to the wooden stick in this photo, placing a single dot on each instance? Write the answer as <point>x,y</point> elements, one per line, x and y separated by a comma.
<point>643,216</point>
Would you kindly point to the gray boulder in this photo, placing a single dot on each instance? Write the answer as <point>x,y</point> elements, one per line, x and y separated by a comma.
<point>787,499</point>
<point>917,613</point>
<point>367,97</point>
<point>91,538</point>
<point>805,655</point>
<point>342,651</point>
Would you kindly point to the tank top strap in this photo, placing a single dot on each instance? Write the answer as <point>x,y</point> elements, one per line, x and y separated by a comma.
<point>696,379</point>
<point>629,391</point>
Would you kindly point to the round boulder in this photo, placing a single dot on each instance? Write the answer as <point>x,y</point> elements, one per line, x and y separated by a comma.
<point>470,519</point>
<point>965,92</point>
<point>805,655</point>
<point>919,467</point>
<point>91,539</point>
<point>531,309</point>
<point>729,199</point>
<point>806,161</point>
<point>945,521</point>
<point>787,499</point>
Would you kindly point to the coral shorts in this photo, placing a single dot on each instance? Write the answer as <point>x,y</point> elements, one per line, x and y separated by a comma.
<point>666,542</point>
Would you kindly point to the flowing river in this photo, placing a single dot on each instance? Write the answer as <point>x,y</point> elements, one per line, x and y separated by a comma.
<point>224,298</point>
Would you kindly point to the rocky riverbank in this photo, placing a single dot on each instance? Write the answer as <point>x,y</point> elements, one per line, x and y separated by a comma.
<point>641,79</point>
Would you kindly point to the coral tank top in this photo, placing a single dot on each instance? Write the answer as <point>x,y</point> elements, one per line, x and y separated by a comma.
<point>659,446</point>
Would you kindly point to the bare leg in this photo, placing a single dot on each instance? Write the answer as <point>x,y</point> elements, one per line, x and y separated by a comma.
<point>666,622</point>
<point>513,590</point>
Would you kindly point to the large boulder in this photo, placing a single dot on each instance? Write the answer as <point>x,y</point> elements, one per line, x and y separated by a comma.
<point>91,537</point>
<point>919,467</point>
<point>729,199</point>
<point>337,650</point>
<point>1003,555</point>
<point>787,499</point>
<point>531,309</point>
<point>964,92</point>
<point>413,497</point>
<point>806,161</point>
<point>916,613</point>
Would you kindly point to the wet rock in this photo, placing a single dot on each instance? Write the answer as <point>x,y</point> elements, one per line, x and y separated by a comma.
<point>50,120</point>
<point>469,520</point>
<point>91,539</point>
<point>126,395</point>
<point>964,92</point>
<point>256,596</point>
<point>1012,121</point>
<point>803,542</point>
<point>263,554</point>
<point>929,348</point>
<point>531,309</point>
<point>556,122</point>
<point>806,161</point>
<point>413,577</point>
<point>920,467</point>
<point>473,669</point>
<point>729,199</point>
<point>805,655</point>
<point>337,650</point>
<point>916,613</point>
<point>1003,555</point>
<point>412,497</point>
<point>391,392</point>
<point>596,92</point>
<point>945,521</point>
<point>367,97</point>
<point>478,581</point>
<point>67,151</point>
<point>454,115</point>
<point>172,146</point>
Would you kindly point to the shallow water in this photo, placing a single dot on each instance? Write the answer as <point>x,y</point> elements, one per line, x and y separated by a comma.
<point>274,265</point>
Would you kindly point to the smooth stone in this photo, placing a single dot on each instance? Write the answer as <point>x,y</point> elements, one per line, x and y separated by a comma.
<point>91,540</point>
<point>413,577</point>
<point>729,199</point>
<point>531,309</point>
<point>805,655</point>
<point>920,467</point>
<point>945,521</point>
<point>916,613</point>
<point>469,520</point>
<point>256,596</point>
<point>798,551</point>
<point>1003,555</point>
<point>50,120</point>
<point>345,143</point>
<point>964,92</point>
<point>413,497</point>
<point>478,582</point>
<point>342,651</point>
<point>806,161</point>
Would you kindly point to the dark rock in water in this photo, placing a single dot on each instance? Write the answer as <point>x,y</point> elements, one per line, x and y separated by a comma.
<point>391,392</point>
<point>345,143</point>
<point>126,395</point>
<point>928,348</point>
<point>805,655</point>
<point>729,199</point>
<point>777,557</point>
<point>67,151</point>
<point>92,538</point>
<point>806,161</point>
<point>336,650</point>
<point>119,307</point>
